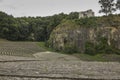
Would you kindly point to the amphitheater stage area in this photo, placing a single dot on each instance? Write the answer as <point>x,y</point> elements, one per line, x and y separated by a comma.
<point>28,61</point>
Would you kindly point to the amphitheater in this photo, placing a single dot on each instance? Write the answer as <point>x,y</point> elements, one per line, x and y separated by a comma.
<point>27,61</point>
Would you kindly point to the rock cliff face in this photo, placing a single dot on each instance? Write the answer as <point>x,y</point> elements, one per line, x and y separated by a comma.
<point>72,34</point>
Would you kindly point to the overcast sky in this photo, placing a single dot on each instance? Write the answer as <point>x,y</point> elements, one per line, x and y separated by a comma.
<point>20,8</point>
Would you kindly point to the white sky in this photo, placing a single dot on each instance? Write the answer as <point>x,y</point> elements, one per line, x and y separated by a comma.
<point>20,8</point>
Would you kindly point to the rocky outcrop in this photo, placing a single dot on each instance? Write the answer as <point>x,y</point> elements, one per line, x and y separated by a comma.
<point>77,36</point>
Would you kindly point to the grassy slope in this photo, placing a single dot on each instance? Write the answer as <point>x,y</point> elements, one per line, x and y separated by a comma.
<point>98,57</point>
<point>3,40</point>
<point>42,45</point>
<point>86,57</point>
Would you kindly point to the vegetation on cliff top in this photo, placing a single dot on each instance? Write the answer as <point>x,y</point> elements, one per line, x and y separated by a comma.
<point>104,21</point>
<point>68,26</point>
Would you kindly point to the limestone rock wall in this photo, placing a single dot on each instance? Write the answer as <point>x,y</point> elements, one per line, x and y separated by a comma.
<point>78,36</point>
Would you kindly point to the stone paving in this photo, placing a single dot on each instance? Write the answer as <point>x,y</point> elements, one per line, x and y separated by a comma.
<point>45,66</point>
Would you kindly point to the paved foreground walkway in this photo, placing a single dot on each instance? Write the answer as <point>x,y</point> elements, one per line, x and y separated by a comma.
<point>54,66</point>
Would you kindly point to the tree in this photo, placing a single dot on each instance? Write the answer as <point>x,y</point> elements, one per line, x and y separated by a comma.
<point>107,6</point>
<point>118,4</point>
<point>73,15</point>
<point>8,27</point>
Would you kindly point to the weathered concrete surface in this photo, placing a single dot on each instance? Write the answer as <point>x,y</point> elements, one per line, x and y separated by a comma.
<point>50,68</point>
<point>54,56</point>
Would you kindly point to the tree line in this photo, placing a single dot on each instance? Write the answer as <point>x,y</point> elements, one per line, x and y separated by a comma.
<point>40,28</point>
<point>31,28</point>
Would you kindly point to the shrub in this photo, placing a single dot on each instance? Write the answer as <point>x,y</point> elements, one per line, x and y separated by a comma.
<point>101,47</point>
<point>87,22</point>
<point>89,48</point>
<point>70,48</point>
